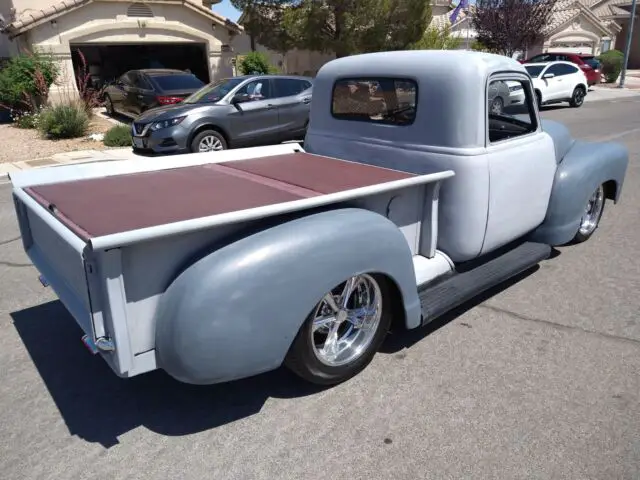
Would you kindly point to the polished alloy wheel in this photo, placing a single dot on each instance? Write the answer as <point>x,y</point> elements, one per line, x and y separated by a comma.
<point>496,106</point>
<point>209,143</point>
<point>592,212</point>
<point>346,320</point>
<point>578,97</point>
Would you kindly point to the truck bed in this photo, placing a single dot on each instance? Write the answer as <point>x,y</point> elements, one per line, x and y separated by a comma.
<point>114,204</point>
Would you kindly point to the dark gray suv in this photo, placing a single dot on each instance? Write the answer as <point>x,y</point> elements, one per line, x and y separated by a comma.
<point>230,113</point>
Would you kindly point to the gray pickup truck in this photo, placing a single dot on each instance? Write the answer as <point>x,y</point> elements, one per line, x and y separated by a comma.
<point>410,197</point>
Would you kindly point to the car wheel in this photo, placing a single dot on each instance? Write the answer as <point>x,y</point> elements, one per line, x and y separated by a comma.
<point>108,105</point>
<point>539,98</point>
<point>577,99</point>
<point>208,141</point>
<point>343,332</point>
<point>592,215</point>
<point>497,105</point>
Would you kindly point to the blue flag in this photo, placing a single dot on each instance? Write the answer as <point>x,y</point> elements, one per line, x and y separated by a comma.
<point>456,11</point>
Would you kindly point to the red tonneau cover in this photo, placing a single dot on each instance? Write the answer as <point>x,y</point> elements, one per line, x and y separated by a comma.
<point>120,203</point>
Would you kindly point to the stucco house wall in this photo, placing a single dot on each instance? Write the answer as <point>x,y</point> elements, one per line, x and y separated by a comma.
<point>110,22</point>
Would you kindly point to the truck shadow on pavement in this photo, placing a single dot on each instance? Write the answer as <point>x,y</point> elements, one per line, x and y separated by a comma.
<point>98,406</point>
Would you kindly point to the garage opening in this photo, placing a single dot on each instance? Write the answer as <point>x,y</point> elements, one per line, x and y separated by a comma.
<point>105,63</point>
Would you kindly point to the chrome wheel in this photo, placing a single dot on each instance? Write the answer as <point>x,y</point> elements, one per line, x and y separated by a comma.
<point>592,212</point>
<point>346,320</point>
<point>496,106</point>
<point>209,143</point>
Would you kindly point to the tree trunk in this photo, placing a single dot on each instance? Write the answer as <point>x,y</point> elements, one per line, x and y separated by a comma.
<point>253,43</point>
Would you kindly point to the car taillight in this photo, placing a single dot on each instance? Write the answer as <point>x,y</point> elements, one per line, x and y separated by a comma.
<point>163,100</point>
<point>585,67</point>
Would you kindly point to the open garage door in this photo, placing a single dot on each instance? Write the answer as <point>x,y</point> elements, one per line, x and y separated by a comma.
<point>105,63</point>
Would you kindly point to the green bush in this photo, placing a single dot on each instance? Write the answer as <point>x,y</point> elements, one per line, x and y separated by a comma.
<point>118,136</point>
<point>64,121</point>
<point>23,119</point>
<point>256,63</point>
<point>25,80</point>
<point>612,61</point>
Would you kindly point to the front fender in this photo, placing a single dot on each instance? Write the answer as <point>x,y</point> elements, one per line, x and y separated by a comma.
<point>235,312</point>
<point>583,169</point>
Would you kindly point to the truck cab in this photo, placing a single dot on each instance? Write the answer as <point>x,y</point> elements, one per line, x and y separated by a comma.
<point>435,110</point>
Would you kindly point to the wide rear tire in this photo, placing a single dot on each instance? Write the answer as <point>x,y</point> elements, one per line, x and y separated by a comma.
<point>343,332</point>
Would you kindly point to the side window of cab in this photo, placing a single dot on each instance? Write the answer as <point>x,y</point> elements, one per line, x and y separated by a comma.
<point>510,109</point>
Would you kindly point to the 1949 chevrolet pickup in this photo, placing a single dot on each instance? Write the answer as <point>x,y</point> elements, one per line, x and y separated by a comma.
<point>411,196</point>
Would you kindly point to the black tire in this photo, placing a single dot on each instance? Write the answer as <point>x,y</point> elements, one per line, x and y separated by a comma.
<point>303,361</point>
<point>539,99</point>
<point>497,106</point>
<point>108,105</point>
<point>583,236</point>
<point>577,97</point>
<point>194,147</point>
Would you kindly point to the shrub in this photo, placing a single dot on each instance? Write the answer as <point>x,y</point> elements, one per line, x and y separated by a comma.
<point>437,39</point>
<point>612,61</point>
<point>256,63</point>
<point>91,97</point>
<point>22,119</point>
<point>25,81</point>
<point>118,136</point>
<point>68,120</point>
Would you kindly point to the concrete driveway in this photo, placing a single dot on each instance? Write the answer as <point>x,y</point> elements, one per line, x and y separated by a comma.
<point>539,380</point>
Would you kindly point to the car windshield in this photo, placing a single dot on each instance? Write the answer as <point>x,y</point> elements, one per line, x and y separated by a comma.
<point>534,70</point>
<point>214,92</point>
<point>177,81</point>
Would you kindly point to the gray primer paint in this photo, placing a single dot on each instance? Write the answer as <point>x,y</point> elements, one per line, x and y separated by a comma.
<point>581,171</point>
<point>235,312</point>
<point>562,139</point>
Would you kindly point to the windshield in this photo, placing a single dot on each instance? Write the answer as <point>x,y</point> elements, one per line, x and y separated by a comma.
<point>177,81</point>
<point>534,70</point>
<point>214,92</point>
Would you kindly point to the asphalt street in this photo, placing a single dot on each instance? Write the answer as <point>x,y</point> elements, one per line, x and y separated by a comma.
<point>540,380</point>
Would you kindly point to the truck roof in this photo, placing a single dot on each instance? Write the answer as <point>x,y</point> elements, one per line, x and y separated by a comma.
<point>120,203</point>
<point>450,95</point>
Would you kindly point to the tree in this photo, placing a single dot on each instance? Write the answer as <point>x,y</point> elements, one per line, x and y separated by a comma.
<point>437,39</point>
<point>343,27</point>
<point>506,26</point>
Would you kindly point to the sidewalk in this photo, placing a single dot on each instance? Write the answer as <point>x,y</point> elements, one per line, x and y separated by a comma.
<point>67,158</point>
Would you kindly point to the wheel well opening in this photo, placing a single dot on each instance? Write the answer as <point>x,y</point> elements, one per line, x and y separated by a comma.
<point>208,127</point>
<point>398,315</point>
<point>610,189</point>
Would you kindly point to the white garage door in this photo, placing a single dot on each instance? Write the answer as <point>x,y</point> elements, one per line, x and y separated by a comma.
<point>573,47</point>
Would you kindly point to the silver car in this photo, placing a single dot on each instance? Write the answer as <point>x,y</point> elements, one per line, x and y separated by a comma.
<point>230,113</point>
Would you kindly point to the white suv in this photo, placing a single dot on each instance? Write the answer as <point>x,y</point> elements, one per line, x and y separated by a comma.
<point>556,82</point>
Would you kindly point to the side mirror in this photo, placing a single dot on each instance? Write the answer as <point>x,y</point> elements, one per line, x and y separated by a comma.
<point>548,75</point>
<point>240,98</point>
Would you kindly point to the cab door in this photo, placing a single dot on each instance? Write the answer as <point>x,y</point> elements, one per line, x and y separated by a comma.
<point>522,166</point>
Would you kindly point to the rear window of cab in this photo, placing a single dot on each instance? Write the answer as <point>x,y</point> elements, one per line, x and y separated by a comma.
<point>390,101</point>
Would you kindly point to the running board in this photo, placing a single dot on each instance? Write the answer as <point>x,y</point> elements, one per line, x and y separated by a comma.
<point>461,287</point>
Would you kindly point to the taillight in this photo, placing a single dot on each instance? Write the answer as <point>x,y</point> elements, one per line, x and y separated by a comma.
<point>163,100</point>
<point>585,67</point>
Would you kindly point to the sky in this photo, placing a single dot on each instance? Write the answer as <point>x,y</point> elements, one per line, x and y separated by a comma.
<point>225,9</point>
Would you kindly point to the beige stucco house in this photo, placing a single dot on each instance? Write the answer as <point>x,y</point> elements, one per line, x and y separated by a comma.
<point>116,35</point>
<point>577,26</point>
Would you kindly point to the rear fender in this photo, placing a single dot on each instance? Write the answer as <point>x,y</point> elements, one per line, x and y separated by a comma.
<point>235,312</point>
<point>581,171</point>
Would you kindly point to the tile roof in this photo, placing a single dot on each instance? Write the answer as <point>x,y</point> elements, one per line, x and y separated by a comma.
<point>32,18</point>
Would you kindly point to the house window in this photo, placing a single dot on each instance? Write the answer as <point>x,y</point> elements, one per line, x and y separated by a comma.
<point>605,46</point>
<point>390,101</point>
<point>510,108</point>
<point>139,10</point>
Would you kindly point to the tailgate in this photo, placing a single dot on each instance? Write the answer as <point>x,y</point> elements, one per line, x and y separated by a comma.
<point>57,253</point>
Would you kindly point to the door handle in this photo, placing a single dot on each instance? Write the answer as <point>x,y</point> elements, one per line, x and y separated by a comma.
<point>306,100</point>
<point>269,106</point>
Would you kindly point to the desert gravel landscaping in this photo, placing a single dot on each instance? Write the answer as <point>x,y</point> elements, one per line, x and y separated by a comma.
<point>25,144</point>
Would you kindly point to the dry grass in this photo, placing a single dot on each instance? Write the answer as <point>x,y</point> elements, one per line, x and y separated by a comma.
<point>19,145</point>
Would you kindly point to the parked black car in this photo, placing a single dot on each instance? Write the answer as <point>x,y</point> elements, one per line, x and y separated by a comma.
<point>137,91</point>
<point>229,113</point>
